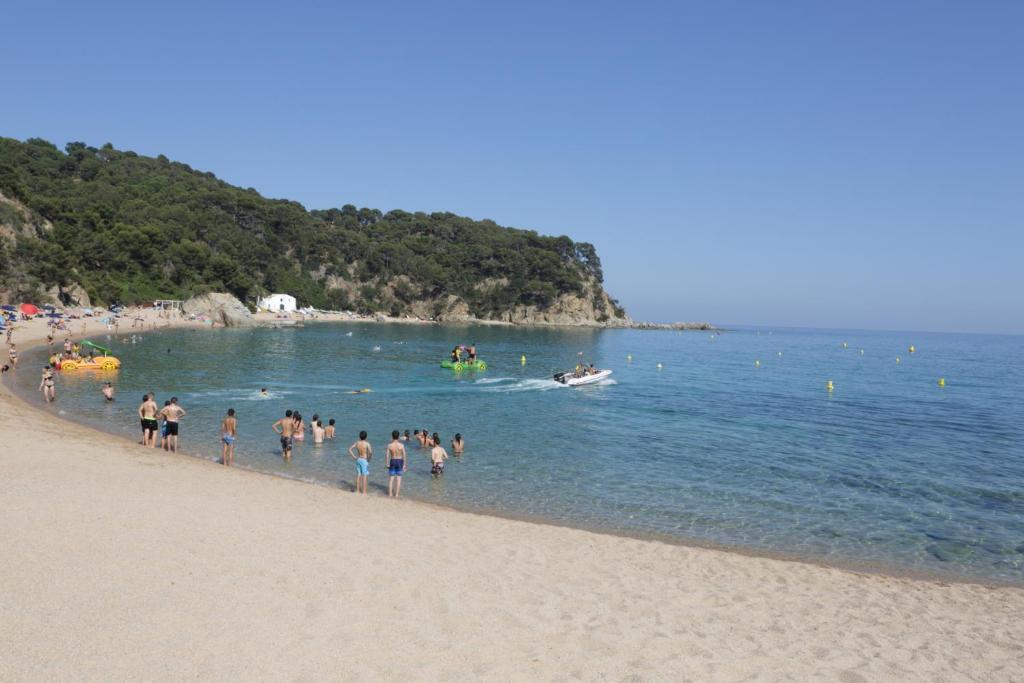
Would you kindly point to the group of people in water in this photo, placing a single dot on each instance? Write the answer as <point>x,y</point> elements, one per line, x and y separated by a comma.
<point>292,427</point>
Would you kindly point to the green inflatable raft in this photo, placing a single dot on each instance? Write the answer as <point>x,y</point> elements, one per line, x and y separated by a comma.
<point>464,365</point>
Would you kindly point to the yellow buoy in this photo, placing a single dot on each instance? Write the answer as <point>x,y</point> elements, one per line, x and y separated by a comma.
<point>828,385</point>
<point>942,381</point>
<point>757,363</point>
<point>911,349</point>
<point>522,360</point>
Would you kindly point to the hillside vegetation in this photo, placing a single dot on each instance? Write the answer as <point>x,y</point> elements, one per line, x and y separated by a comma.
<point>129,228</point>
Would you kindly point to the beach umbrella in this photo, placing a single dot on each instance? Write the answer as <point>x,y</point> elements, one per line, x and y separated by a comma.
<point>12,309</point>
<point>29,309</point>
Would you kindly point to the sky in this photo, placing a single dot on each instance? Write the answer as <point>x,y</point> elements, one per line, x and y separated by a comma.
<point>853,165</point>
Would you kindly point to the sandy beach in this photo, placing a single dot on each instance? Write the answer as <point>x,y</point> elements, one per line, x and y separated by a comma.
<point>125,563</point>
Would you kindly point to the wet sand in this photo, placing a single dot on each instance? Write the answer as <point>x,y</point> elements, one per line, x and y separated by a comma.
<point>124,563</point>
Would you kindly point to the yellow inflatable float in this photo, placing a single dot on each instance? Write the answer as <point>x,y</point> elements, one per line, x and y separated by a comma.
<point>104,362</point>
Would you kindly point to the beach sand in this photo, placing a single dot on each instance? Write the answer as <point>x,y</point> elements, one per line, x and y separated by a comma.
<point>124,563</point>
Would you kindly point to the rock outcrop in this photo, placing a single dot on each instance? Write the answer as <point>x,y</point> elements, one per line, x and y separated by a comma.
<point>74,295</point>
<point>221,308</point>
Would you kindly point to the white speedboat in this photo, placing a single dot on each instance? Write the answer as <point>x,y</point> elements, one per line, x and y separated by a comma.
<point>571,380</point>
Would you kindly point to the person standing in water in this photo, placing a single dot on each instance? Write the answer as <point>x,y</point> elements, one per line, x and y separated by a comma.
<point>318,432</point>
<point>284,428</point>
<point>172,413</point>
<point>229,433</point>
<point>147,418</point>
<point>361,451</point>
<point>12,353</point>
<point>47,386</point>
<point>396,465</point>
<point>437,457</point>
<point>329,430</point>
<point>108,391</point>
<point>458,445</point>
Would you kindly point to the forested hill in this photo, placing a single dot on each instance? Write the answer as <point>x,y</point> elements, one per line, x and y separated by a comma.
<point>129,228</point>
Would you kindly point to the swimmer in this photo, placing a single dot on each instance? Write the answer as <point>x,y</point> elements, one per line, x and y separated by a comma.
<point>264,393</point>
<point>458,445</point>
<point>329,431</point>
<point>396,465</point>
<point>437,457</point>
<point>108,391</point>
<point>229,433</point>
<point>361,451</point>
<point>284,428</point>
<point>318,431</point>
<point>405,437</point>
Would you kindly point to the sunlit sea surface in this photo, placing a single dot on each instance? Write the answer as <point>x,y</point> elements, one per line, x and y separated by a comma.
<point>733,441</point>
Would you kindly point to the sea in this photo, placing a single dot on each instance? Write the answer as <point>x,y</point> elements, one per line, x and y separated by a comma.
<point>833,446</point>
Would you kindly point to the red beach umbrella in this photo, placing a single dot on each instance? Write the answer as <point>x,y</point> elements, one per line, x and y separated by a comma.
<point>29,309</point>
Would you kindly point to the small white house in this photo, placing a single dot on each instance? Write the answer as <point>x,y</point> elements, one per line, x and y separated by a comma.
<point>278,303</point>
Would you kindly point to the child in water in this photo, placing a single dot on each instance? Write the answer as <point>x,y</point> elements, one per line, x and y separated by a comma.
<point>437,457</point>
<point>458,445</point>
<point>329,431</point>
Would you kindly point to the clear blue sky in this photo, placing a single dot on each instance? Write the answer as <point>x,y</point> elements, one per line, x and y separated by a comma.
<point>795,163</point>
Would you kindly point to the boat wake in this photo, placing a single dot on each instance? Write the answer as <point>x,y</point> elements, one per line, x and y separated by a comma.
<point>523,385</point>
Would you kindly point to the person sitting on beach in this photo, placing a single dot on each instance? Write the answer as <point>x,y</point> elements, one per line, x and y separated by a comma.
<point>108,391</point>
<point>147,418</point>
<point>361,451</point>
<point>437,457</point>
<point>229,433</point>
<point>329,431</point>
<point>318,431</point>
<point>458,445</point>
<point>284,428</point>
<point>396,465</point>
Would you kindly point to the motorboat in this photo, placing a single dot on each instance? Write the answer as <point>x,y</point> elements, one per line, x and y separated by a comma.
<point>570,379</point>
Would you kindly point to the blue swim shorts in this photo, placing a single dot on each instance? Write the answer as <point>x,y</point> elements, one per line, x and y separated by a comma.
<point>396,468</point>
<point>362,467</point>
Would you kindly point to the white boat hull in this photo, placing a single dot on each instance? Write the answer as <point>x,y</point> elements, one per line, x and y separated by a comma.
<point>568,380</point>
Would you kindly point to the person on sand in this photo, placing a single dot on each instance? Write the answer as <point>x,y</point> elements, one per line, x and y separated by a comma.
<point>108,391</point>
<point>458,445</point>
<point>147,418</point>
<point>361,451</point>
<point>172,413</point>
<point>47,386</point>
<point>284,428</point>
<point>12,353</point>
<point>329,430</point>
<point>229,433</point>
<point>396,465</point>
<point>318,431</point>
<point>437,457</point>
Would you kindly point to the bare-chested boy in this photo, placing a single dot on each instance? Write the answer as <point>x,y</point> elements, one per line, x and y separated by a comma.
<point>396,465</point>
<point>229,433</point>
<point>361,451</point>
<point>172,413</point>
<point>147,418</point>
<point>285,427</point>
<point>329,430</point>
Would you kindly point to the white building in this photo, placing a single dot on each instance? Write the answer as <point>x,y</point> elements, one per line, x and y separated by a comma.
<point>278,303</point>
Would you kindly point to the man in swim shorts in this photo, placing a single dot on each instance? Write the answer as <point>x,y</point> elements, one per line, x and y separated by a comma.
<point>229,433</point>
<point>147,418</point>
<point>172,413</point>
<point>396,465</point>
<point>285,427</point>
<point>361,451</point>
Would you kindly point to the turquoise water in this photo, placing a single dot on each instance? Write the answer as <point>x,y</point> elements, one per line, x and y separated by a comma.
<point>888,469</point>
